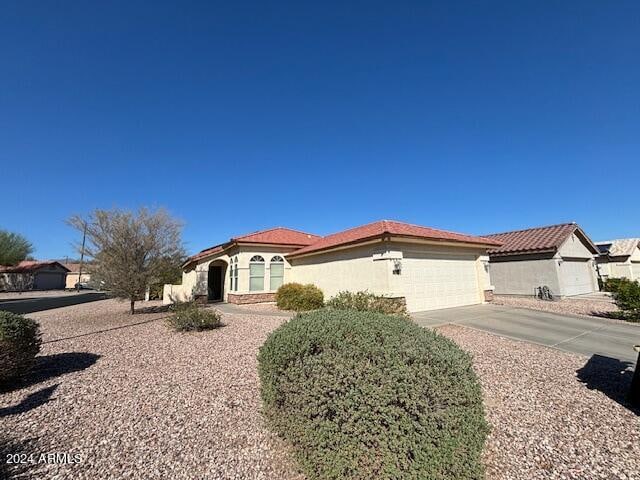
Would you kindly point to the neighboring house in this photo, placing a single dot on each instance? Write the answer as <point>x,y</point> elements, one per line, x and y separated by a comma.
<point>619,259</point>
<point>558,256</point>
<point>73,277</point>
<point>426,267</point>
<point>33,275</point>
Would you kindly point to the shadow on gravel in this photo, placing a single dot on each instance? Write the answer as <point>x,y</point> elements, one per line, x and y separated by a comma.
<point>31,401</point>
<point>51,366</point>
<point>154,309</point>
<point>609,376</point>
<point>128,325</point>
<point>13,447</point>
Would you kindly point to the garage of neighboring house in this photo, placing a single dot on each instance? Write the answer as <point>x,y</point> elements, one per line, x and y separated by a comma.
<point>428,268</point>
<point>619,258</point>
<point>33,275</point>
<point>559,257</point>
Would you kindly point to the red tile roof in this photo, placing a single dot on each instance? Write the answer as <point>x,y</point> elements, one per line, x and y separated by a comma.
<point>272,236</point>
<point>29,266</point>
<point>389,227</point>
<point>278,236</point>
<point>537,240</point>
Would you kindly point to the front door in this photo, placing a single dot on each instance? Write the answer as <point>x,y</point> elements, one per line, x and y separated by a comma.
<point>215,283</point>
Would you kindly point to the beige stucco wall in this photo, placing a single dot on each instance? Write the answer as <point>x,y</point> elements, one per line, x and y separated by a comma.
<point>621,269</point>
<point>574,248</point>
<point>72,279</point>
<point>426,280</point>
<point>353,269</point>
<point>484,272</point>
<point>521,277</point>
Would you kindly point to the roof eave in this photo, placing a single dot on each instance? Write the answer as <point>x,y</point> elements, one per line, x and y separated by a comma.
<point>522,252</point>
<point>396,237</point>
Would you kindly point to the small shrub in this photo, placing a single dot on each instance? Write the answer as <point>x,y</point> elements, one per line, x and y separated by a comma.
<point>627,297</point>
<point>613,284</point>
<point>368,302</point>
<point>188,316</point>
<point>361,395</point>
<point>300,298</point>
<point>19,345</point>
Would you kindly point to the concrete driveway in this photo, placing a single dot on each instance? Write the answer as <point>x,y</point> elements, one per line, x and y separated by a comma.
<point>583,335</point>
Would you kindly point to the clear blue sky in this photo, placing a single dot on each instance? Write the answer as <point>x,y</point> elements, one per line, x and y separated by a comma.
<point>470,116</point>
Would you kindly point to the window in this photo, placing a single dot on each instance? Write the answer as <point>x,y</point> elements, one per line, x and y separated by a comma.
<point>231,275</point>
<point>235,276</point>
<point>256,273</point>
<point>276,272</point>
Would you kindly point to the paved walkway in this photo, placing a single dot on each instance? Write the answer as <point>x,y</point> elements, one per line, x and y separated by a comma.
<point>583,335</point>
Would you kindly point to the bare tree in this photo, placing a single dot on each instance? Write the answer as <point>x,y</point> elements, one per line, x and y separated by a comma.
<point>130,250</point>
<point>13,248</point>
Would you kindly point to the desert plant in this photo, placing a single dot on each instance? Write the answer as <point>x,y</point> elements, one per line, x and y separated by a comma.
<point>19,345</point>
<point>131,251</point>
<point>627,297</point>
<point>361,395</point>
<point>188,316</point>
<point>368,302</point>
<point>300,298</point>
<point>613,284</point>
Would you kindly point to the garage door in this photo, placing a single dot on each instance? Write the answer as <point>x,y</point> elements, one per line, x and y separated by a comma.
<point>49,281</point>
<point>576,277</point>
<point>438,281</point>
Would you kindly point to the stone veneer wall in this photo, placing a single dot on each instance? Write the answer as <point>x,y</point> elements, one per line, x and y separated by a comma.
<point>243,298</point>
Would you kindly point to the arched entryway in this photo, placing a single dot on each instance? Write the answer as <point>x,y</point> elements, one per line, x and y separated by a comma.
<point>215,282</point>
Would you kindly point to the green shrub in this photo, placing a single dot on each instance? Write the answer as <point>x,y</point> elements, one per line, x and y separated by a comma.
<point>627,298</point>
<point>188,316</point>
<point>19,345</point>
<point>368,302</point>
<point>300,298</point>
<point>361,395</point>
<point>613,284</point>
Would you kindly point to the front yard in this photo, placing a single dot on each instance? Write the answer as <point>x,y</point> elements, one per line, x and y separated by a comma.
<point>147,402</point>
<point>136,400</point>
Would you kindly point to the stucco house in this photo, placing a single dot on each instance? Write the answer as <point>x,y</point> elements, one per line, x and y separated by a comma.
<point>619,259</point>
<point>428,268</point>
<point>560,257</point>
<point>74,276</point>
<point>33,275</point>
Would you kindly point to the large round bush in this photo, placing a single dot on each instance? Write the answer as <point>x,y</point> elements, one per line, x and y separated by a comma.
<point>298,297</point>
<point>362,395</point>
<point>19,345</point>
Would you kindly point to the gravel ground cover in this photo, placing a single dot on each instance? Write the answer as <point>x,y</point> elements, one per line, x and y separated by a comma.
<point>262,307</point>
<point>136,400</point>
<point>546,423</point>
<point>599,306</point>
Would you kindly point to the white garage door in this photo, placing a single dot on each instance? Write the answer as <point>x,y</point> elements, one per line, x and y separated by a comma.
<point>635,267</point>
<point>433,281</point>
<point>576,277</point>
